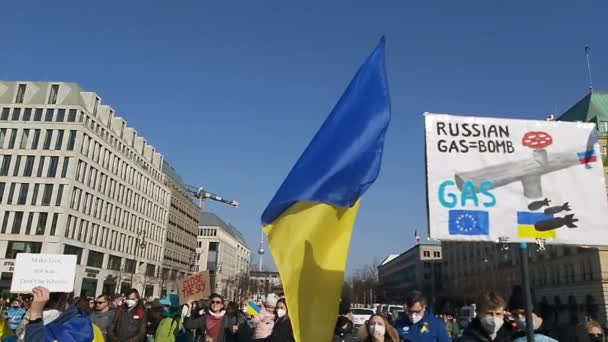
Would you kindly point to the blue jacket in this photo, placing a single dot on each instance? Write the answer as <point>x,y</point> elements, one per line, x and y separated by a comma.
<point>71,326</point>
<point>428,329</point>
<point>14,317</point>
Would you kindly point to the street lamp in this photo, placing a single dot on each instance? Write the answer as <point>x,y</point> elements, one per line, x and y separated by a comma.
<point>140,243</point>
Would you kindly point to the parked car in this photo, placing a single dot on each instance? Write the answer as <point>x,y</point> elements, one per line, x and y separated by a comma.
<point>360,316</point>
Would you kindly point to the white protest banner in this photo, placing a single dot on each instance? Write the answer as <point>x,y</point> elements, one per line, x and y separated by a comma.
<point>194,287</point>
<point>523,180</point>
<point>54,271</point>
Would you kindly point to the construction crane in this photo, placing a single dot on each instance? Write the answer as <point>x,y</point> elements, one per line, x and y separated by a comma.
<point>202,194</point>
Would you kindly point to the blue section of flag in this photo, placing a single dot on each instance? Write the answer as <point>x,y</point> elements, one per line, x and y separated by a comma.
<point>586,154</point>
<point>528,218</point>
<point>343,160</point>
<point>469,222</point>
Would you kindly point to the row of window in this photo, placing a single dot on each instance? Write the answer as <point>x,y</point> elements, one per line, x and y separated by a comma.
<point>40,194</point>
<point>21,89</point>
<point>91,233</point>
<point>45,166</point>
<point>178,240</point>
<point>29,139</point>
<point>94,206</point>
<point>32,223</point>
<point>207,232</point>
<point>40,115</point>
<point>97,180</point>
<point>175,222</point>
<point>175,201</point>
<point>113,163</point>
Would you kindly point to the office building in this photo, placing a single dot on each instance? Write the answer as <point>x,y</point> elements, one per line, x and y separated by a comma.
<point>418,268</point>
<point>223,252</point>
<point>179,257</point>
<point>75,179</point>
<point>261,283</point>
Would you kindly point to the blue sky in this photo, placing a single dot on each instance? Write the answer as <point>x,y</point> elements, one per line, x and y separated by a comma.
<point>231,94</point>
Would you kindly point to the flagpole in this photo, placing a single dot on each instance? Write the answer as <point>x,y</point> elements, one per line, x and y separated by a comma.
<point>525,275</point>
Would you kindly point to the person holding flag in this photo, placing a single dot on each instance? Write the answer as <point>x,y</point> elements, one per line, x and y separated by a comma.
<point>309,221</point>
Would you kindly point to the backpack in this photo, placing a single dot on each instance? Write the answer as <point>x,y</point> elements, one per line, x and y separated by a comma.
<point>170,329</point>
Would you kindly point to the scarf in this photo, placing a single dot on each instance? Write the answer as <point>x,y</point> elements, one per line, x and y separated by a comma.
<point>213,324</point>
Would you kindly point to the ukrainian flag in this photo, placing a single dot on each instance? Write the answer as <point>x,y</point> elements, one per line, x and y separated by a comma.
<point>310,219</point>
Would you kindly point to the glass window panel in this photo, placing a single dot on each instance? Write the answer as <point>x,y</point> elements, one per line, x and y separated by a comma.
<point>16,114</point>
<point>24,139</point>
<point>38,114</point>
<point>35,139</point>
<point>41,226</point>
<point>27,114</point>
<point>53,94</point>
<point>46,195</point>
<point>17,222</point>
<point>48,116</point>
<point>52,171</point>
<point>47,139</point>
<point>59,141</point>
<point>35,193</point>
<point>29,166</point>
<point>23,193</point>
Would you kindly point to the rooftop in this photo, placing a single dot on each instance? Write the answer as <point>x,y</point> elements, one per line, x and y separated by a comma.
<point>171,173</point>
<point>593,107</point>
<point>212,220</point>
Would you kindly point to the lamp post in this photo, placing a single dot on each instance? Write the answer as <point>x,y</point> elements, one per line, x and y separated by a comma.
<point>140,244</point>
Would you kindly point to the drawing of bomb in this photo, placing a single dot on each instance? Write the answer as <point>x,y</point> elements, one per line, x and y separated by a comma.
<point>545,222</point>
<point>527,171</point>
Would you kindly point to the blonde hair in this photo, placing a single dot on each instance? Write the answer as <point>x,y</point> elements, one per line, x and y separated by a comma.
<point>390,335</point>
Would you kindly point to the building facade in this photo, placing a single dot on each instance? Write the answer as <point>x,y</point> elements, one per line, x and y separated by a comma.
<point>261,283</point>
<point>569,284</point>
<point>418,268</point>
<point>222,251</point>
<point>179,257</point>
<point>75,179</point>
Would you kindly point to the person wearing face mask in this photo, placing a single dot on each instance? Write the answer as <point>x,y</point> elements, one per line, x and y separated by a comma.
<point>518,311</point>
<point>130,322</point>
<point>420,324</point>
<point>593,332</point>
<point>378,329</point>
<point>263,322</point>
<point>15,314</point>
<point>282,330</point>
<point>489,325</point>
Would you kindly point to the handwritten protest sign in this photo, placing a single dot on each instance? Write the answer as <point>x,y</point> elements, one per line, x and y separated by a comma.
<point>491,179</point>
<point>194,287</point>
<point>53,271</point>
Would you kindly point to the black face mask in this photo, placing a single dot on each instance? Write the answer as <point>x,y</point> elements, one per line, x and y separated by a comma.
<point>596,337</point>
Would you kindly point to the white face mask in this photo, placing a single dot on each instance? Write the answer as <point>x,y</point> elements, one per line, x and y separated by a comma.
<point>130,303</point>
<point>491,324</point>
<point>377,330</point>
<point>244,309</point>
<point>281,312</point>
<point>415,318</point>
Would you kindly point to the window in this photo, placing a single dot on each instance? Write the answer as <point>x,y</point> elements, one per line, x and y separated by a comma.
<point>150,270</point>
<point>28,226</point>
<point>16,114</point>
<point>17,222</point>
<point>46,195</point>
<point>47,139</point>
<point>64,170</point>
<point>54,224</point>
<point>59,195</point>
<point>4,115</point>
<point>437,254</point>
<point>53,94</point>
<point>48,117</point>
<point>60,115</point>
<point>72,115</point>
<point>13,137</point>
<point>27,114</point>
<point>5,222</point>
<point>40,166</point>
<point>35,139</point>
<point>2,137</point>
<point>29,166</point>
<point>20,93</point>
<point>24,139</point>
<point>130,266</point>
<point>427,253</point>
<point>73,250</point>
<point>11,193</point>
<point>17,165</point>
<point>2,186</point>
<point>52,171</point>
<point>16,247</point>
<point>96,105</point>
<point>23,193</point>
<point>59,139</point>
<point>35,193</point>
<point>95,259</point>
<point>41,227</point>
<point>71,140</point>
<point>38,114</point>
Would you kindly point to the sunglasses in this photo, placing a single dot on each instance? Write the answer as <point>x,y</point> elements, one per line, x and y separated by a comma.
<point>100,302</point>
<point>216,302</point>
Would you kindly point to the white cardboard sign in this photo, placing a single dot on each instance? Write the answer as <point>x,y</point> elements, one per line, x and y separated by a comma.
<point>489,179</point>
<point>56,272</point>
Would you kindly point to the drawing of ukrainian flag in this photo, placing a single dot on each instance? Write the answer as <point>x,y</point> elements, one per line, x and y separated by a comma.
<point>252,308</point>
<point>525,225</point>
<point>310,219</point>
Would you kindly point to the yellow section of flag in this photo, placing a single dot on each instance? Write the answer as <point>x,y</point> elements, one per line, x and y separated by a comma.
<point>309,243</point>
<point>528,231</point>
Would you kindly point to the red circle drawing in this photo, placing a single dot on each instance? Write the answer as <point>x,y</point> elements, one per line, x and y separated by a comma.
<point>536,140</point>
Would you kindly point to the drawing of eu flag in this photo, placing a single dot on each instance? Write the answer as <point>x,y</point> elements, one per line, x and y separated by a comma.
<point>469,222</point>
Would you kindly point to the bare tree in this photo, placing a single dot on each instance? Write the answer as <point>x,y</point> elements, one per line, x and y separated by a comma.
<point>364,283</point>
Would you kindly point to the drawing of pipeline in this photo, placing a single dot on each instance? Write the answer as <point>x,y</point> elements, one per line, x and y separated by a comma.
<point>526,171</point>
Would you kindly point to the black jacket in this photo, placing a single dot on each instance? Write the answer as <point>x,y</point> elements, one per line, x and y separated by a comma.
<point>475,333</point>
<point>282,331</point>
<point>199,325</point>
<point>129,325</point>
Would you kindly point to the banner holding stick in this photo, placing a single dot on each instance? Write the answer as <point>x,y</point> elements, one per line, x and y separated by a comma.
<point>194,287</point>
<point>54,271</point>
